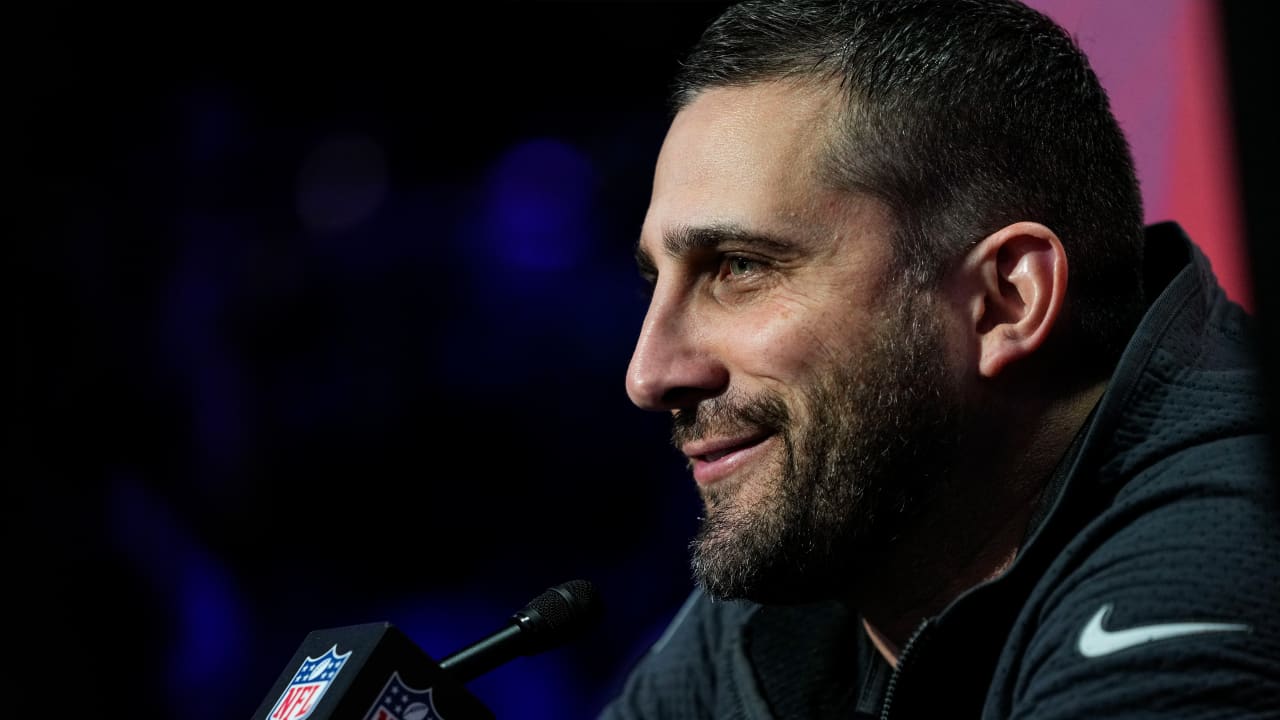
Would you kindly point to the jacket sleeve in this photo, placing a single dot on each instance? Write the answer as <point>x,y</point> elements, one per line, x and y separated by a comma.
<point>1168,606</point>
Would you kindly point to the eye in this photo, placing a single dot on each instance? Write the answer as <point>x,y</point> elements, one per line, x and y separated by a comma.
<point>647,283</point>
<point>648,277</point>
<point>737,265</point>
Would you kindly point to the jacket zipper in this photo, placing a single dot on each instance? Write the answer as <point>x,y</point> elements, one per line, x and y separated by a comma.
<point>908,652</point>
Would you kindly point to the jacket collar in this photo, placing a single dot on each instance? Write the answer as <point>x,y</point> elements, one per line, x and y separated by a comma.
<point>803,660</point>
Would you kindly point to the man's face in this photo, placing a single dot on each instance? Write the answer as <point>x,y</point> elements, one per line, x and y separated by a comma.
<point>808,390</point>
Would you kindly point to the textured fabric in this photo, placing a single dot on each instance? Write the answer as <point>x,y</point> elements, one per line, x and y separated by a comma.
<point>1167,513</point>
<point>692,670</point>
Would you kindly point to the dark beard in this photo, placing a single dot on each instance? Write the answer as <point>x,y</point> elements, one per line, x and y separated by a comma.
<point>879,437</point>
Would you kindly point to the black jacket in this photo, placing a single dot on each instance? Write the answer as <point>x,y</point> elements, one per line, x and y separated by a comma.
<point>1150,587</point>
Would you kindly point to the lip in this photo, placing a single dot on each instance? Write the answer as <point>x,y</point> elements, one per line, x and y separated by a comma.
<point>714,460</point>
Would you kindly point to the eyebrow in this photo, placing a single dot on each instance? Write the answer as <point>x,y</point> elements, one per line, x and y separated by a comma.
<point>684,240</point>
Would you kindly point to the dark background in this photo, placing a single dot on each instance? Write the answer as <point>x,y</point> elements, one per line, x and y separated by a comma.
<point>321,317</point>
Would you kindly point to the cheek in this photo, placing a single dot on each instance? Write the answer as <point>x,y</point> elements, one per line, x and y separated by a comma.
<point>793,343</point>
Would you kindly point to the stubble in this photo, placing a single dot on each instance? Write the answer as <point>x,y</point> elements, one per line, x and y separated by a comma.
<point>866,447</point>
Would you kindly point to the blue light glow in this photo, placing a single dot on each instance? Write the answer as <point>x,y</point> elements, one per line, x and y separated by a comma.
<point>537,206</point>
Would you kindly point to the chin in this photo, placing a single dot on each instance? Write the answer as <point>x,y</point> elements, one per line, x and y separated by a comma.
<point>772,568</point>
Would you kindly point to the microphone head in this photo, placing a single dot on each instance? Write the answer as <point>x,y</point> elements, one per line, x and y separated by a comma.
<point>561,612</point>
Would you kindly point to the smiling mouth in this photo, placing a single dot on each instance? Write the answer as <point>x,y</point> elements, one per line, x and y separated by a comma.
<point>721,462</point>
<point>712,457</point>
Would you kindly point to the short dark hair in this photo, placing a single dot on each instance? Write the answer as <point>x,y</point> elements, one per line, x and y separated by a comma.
<point>962,116</point>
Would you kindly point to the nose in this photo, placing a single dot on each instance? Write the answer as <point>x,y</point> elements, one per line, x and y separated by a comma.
<point>674,365</point>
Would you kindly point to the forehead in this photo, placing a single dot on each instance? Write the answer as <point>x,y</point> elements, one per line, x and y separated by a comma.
<point>765,136</point>
<point>749,157</point>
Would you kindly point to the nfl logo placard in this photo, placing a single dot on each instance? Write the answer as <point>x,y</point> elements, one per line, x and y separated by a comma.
<point>308,685</point>
<point>401,702</point>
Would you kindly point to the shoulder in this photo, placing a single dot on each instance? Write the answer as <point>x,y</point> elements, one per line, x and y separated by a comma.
<point>1167,596</point>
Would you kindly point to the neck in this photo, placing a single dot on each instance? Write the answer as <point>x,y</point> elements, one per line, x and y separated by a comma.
<point>979,522</point>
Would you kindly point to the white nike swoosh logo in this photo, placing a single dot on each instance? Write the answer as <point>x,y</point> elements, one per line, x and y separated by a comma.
<point>1096,641</point>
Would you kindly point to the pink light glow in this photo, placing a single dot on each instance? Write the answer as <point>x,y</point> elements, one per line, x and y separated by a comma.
<point>1163,65</point>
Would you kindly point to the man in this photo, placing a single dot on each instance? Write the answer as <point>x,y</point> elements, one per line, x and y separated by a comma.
<point>972,441</point>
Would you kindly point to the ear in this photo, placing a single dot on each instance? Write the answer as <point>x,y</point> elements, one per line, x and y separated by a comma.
<point>1014,283</point>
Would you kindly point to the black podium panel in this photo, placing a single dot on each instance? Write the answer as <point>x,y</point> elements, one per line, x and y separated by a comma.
<point>366,672</point>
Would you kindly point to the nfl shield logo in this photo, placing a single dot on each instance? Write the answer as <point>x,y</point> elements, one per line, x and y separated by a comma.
<point>308,685</point>
<point>401,702</point>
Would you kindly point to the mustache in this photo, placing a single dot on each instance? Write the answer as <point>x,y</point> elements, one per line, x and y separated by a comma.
<point>728,414</point>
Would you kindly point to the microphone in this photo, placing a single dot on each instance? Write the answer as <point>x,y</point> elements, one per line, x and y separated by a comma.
<point>559,614</point>
<point>376,672</point>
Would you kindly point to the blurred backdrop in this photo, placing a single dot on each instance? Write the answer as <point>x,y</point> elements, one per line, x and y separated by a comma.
<point>321,317</point>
